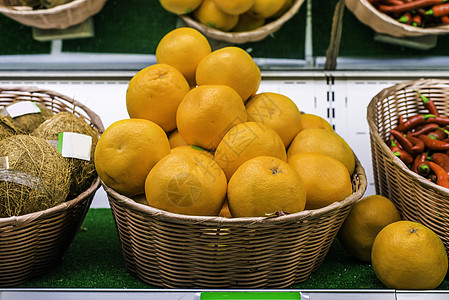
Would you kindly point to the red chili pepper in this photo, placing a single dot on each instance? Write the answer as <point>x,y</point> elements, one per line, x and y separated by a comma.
<point>439,10</point>
<point>442,176</point>
<point>406,18</point>
<point>424,169</point>
<point>429,104</point>
<point>445,19</point>
<point>418,161</point>
<point>424,129</point>
<point>437,134</point>
<point>413,122</point>
<point>400,153</point>
<point>442,121</point>
<point>417,20</point>
<point>418,145</point>
<point>392,2</point>
<point>409,5</point>
<point>441,159</point>
<point>406,144</point>
<point>432,144</point>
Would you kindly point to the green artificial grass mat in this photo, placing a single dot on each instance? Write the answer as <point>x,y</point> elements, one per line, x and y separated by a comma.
<point>131,27</point>
<point>94,260</point>
<point>16,38</point>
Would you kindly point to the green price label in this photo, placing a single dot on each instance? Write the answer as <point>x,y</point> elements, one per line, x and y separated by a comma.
<point>250,296</point>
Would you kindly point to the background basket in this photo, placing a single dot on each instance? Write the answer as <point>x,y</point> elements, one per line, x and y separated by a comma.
<point>32,244</point>
<point>382,23</point>
<point>178,251</point>
<point>58,17</point>
<point>248,36</point>
<point>417,199</point>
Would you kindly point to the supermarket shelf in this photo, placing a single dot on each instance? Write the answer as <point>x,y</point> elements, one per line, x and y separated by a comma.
<point>164,294</point>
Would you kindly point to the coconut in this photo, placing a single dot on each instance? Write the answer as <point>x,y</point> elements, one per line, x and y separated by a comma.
<point>6,128</point>
<point>29,122</point>
<point>83,171</point>
<point>33,176</point>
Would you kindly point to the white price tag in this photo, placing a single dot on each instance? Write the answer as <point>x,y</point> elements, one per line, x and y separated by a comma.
<point>4,162</point>
<point>22,108</point>
<point>74,145</point>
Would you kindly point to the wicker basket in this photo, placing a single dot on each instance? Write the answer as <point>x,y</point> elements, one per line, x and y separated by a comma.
<point>417,199</point>
<point>58,17</point>
<point>178,251</point>
<point>30,245</point>
<point>382,23</point>
<point>248,36</point>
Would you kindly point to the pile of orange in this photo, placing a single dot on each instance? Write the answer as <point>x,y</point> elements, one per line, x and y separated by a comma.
<point>229,15</point>
<point>201,139</point>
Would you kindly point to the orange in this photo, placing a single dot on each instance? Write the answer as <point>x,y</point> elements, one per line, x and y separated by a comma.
<point>180,7</point>
<point>325,142</point>
<point>207,112</point>
<point>234,7</point>
<point>126,152</point>
<point>314,121</point>
<point>326,179</point>
<point>183,48</point>
<point>210,15</point>
<point>265,186</point>
<point>225,212</point>
<point>186,183</point>
<point>248,22</point>
<point>154,93</point>
<point>231,66</point>
<point>266,8</point>
<point>175,139</point>
<point>193,149</point>
<point>284,8</point>
<point>365,220</point>
<point>408,255</point>
<point>245,141</point>
<point>278,112</point>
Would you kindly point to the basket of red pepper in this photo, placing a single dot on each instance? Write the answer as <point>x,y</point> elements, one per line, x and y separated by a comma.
<point>403,18</point>
<point>409,135</point>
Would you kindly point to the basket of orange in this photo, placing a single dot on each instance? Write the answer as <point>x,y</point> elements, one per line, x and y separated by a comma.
<point>222,186</point>
<point>235,21</point>
<point>50,14</point>
<point>45,193</point>
<point>402,18</point>
<point>415,183</point>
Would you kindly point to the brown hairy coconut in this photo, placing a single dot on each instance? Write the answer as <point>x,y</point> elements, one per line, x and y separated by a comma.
<point>34,178</point>
<point>29,122</point>
<point>6,128</point>
<point>83,171</point>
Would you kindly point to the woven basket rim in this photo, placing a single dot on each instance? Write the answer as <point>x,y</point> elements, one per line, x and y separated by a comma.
<point>246,36</point>
<point>442,29</point>
<point>33,89</point>
<point>374,129</point>
<point>212,220</point>
<point>47,11</point>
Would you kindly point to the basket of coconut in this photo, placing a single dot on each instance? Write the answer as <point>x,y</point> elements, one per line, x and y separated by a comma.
<point>235,21</point>
<point>47,178</point>
<point>50,14</point>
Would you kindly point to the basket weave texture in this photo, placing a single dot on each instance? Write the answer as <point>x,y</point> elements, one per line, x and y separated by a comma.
<point>58,17</point>
<point>178,251</point>
<point>31,244</point>
<point>417,199</point>
<point>247,36</point>
<point>382,23</point>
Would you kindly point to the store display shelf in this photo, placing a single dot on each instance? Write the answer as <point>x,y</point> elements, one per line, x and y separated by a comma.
<point>187,294</point>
